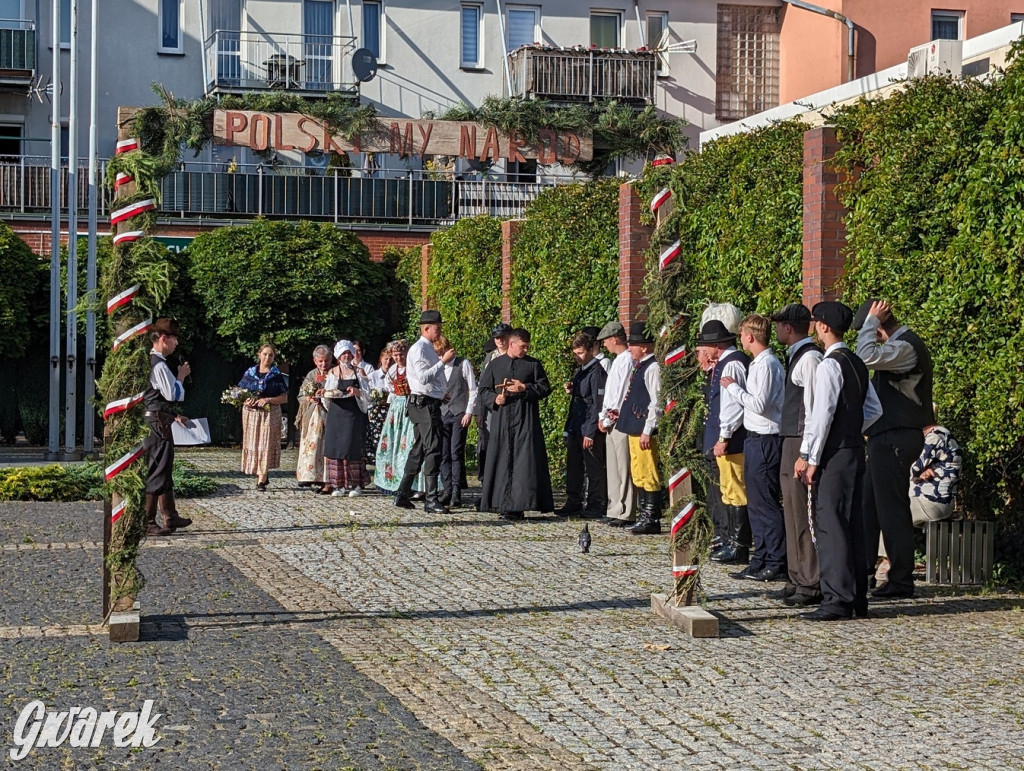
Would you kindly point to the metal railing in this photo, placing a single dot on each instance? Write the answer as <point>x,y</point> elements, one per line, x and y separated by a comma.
<point>208,191</point>
<point>571,75</point>
<point>17,48</point>
<point>247,61</point>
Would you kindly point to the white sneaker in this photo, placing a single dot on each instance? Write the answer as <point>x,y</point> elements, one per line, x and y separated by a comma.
<point>355,492</point>
<point>338,493</point>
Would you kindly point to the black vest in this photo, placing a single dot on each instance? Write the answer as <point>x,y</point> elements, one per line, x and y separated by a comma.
<point>637,404</point>
<point>793,400</point>
<point>906,398</point>
<point>713,425</point>
<point>848,419</point>
<point>151,397</point>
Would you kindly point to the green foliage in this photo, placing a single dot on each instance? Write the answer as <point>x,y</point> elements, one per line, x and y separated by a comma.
<point>406,264</point>
<point>84,482</point>
<point>464,281</point>
<point>22,273</point>
<point>565,275</point>
<point>296,285</point>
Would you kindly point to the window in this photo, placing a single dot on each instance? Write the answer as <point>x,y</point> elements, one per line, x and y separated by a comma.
<point>65,141</point>
<point>947,25</point>
<point>373,16</point>
<point>1016,17</point>
<point>472,16</point>
<point>317,31</point>
<point>10,142</point>
<point>604,29</point>
<point>523,26</point>
<point>170,27</point>
<point>10,12</point>
<point>747,80</point>
<point>657,26</point>
<point>65,22</point>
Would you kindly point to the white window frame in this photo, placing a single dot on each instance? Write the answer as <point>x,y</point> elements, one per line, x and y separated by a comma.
<point>479,63</point>
<point>535,10</point>
<point>663,58</point>
<point>382,25</point>
<point>616,15</point>
<point>161,48</point>
<point>943,15</point>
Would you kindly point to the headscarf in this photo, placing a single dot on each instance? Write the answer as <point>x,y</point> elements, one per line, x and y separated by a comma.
<point>342,346</point>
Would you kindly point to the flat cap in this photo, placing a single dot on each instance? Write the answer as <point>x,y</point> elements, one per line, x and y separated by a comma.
<point>862,312</point>
<point>794,312</point>
<point>835,315</point>
<point>430,317</point>
<point>611,329</point>
<point>167,327</point>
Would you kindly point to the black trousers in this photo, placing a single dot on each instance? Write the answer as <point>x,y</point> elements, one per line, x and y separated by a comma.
<point>762,458</point>
<point>801,556</point>
<point>453,451</point>
<point>589,465</point>
<point>426,446</point>
<point>887,501</point>
<point>839,531</point>
<point>159,446</point>
<point>716,509</point>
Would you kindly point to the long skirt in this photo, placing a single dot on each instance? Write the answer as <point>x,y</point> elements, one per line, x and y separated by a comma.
<point>310,465</point>
<point>396,439</point>
<point>347,474</point>
<point>261,440</point>
<point>377,415</point>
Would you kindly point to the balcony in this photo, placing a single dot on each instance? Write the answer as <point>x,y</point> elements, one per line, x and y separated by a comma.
<point>309,65</point>
<point>582,75</point>
<point>17,51</point>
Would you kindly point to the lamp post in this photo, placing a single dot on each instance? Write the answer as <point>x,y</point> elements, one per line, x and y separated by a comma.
<point>54,410</point>
<point>90,315</point>
<point>71,338</point>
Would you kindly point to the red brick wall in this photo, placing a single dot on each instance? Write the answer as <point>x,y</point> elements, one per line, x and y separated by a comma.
<point>634,240</point>
<point>824,229</point>
<point>509,231</point>
<point>424,271</point>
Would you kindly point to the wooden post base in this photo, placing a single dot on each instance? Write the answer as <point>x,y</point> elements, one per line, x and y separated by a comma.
<point>692,619</point>
<point>124,624</point>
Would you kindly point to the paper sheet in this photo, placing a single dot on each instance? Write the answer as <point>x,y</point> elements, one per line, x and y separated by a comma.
<point>196,431</point>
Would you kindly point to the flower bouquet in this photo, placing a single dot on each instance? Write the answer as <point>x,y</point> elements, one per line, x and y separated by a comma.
<point>237,397</point>
<point>378,396</point>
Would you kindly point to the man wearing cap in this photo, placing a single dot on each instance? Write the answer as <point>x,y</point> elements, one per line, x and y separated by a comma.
<point>621,492</point>
<point>497,346</point>
<point>792,326</point>
<point>761,399</point>
<point>638,420</point>
<point>584,444</point>
<point>902,378</point>
<point>603,361</point>
<point>165,389</point>
<point>845,405</point>
<point>424,370</point>
<point>723,443</point>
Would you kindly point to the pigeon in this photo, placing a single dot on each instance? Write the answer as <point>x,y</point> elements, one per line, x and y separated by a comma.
<point>584,540</point>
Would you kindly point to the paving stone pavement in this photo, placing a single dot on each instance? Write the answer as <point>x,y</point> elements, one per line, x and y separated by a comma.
<point>501,645</point>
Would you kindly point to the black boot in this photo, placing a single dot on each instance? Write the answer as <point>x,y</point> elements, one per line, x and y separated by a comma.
<point>737,550</point>
<point>650,514</point>
<point>152,527</point>
<point>456,499</point>
<point>172,520</point>
<point>433,504</point>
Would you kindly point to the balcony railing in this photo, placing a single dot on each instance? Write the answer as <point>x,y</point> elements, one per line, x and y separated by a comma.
<point>17,50</point>
<point>574,75</point>
<point>206,191</point>
<point>263,61</point>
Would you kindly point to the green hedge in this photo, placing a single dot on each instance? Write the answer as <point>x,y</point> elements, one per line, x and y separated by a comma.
<point>84,482</point>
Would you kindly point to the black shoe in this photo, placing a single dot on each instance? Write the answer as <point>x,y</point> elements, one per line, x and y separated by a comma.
<point>889,592</point>
<point>435,507</point>
<point>782,594</point>
<point>404,502</point>
<point>826,614</point>
<point>261,486</point>
<point>616,522</point>
<point>732,555</point>
<point>456,501</point>
<point>418,496</point>
<point>445,497</point>
<point>747,572</point>
<point>305,484</point>
<point>645,526</point>
<point>512,516</point>
<point>802,600</point>
<point>567,511</point>
<point>767,574</point>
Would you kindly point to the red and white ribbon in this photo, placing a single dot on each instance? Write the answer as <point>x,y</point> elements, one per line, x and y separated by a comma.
<point>122,298</point>
<point>124,462</point>
<point>118,510</point>
<point>669,254</point>
<point>126,146</point>
<point>122,179</point>
<point>677,478</point>
<point>669,406</point>
<point>663,160</point>
<point>663,195</point>
<point>671,324</point>
<point>138,329</point>
<point>683,517</point>
<point>684,571</point>
<point>676,354</point>
<point>127,212</point>
<point>121,405</point>
<point>129,235</point>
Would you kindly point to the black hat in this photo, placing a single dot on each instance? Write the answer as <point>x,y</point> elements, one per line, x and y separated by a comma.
<point>167,327</point>
<point>794,312</point>
<point>501,330</point>
<point>835,315</point>
<point>490,346</point>
<point>611,329</point>
<point>862,312</point>
<point>430,317</point>
<point>714,331</point>
<point>638,333</point>
<point>592,331</point>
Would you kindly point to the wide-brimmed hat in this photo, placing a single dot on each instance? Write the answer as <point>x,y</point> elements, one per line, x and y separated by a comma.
<point>167,327</point>
<point>835,315</point>
<point>430,317</point>
<point>638,334</point>
<point>714,332</point>
<point>794,313</point>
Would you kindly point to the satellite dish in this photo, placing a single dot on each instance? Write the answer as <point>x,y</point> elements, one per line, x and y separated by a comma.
<point>364,65</point>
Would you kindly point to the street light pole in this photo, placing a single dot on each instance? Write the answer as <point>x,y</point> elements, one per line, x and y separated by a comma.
<point>54,411</point>
<point>90,315</point>
<point>71,340</point>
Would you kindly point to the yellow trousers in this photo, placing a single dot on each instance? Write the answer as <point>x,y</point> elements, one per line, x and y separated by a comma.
<point>730,473</point>
<point>643,465</point>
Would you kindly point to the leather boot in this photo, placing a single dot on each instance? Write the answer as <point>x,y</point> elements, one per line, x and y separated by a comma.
<point>172,520</point>
<point>456,499</point>
<point>433,504</point>
<point>650,514</point>
<point>152,528</point>
<point>737,550</point>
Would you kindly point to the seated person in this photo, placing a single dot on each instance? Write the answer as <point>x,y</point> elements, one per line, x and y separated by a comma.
<point>934,476</point>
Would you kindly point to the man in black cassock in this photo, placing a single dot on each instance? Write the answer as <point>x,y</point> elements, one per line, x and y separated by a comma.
<point>516,476</point>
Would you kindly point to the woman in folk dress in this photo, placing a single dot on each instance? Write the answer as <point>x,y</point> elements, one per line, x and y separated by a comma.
<point>261,417</point>
<point>310,468</point>
<point>396,438</point>
<point>348,397</point>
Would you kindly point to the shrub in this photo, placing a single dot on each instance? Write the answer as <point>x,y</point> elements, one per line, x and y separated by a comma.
<point>84,482</point>
<point>22,271</point>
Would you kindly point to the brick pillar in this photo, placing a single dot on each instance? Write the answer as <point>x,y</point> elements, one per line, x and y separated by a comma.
<point>509,231</point>
<point>634,240</point>
<point>824,229</point>
<point>424,269</point>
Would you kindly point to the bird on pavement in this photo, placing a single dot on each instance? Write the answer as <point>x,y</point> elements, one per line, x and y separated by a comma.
<point>584,540</point>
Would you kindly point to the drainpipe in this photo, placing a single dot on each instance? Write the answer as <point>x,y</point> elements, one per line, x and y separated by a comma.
<point>640,25</point>
<point>504,47</point>
<point>850,68</point>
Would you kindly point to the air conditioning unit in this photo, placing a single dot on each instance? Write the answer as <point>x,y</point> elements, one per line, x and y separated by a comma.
<point>939,57</point>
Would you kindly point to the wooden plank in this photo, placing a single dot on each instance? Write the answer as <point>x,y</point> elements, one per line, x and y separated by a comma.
<point>987,549</point>
<point>691,619</point>
<point>966,549</point>
<point>943,553</point>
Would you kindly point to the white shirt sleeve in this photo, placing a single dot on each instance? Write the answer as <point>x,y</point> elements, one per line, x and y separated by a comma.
<point>730,411</point>
<point>872,407</point>
<point>163,381</point>
<point>803,373</point>
<point>652,379</point>
<point>828,382</point>
<point>762,382</point>
<point>467,373</point>
<point>891,356</point>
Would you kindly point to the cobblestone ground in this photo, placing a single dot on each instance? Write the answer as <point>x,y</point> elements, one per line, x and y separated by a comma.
<point>460,640</point>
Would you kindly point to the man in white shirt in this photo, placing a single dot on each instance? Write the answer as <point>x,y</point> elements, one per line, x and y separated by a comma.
<point>845,406</point>
<point>621,492</point>
<point>457,410</point>
<point>424,370</point>
<point>603,361</point>
<point>761,399</point>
